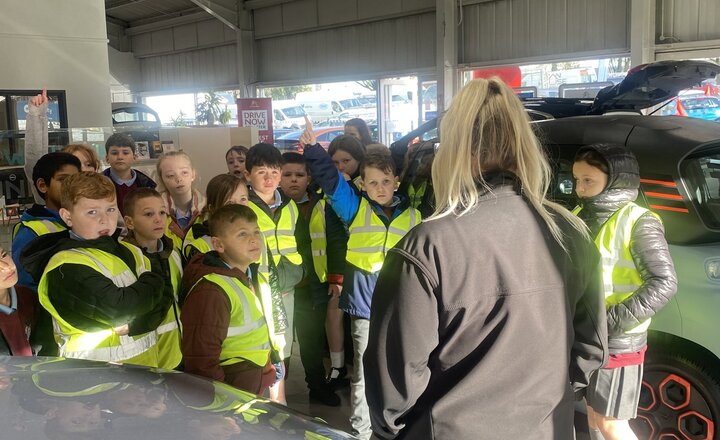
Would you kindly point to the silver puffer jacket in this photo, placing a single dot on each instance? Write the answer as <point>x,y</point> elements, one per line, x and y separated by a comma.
<point>648,247</point>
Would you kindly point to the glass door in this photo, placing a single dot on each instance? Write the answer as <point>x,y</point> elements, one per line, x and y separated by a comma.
<point>399,107</point>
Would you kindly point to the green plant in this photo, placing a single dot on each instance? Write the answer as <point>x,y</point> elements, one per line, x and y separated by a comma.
<point>179,120</point>
<point>212,109</point>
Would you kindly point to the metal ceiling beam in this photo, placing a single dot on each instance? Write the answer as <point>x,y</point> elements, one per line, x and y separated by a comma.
<point>223,10</point>
<point>160,21</point>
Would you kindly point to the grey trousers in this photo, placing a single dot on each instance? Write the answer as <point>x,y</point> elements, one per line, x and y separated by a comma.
<point>360,416</point>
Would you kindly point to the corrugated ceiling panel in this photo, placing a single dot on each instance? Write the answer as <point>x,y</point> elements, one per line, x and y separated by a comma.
<point>514,29</point>
<point>406,43</point>
<point>199,69</point>
<point>688,20</point>
<point>305,15</point>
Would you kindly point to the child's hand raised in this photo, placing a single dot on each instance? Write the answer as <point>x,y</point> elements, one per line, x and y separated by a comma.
<point>308,136</point>
<point>39,99</point>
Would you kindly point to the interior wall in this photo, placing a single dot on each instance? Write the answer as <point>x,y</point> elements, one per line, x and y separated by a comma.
<point>40,50</point>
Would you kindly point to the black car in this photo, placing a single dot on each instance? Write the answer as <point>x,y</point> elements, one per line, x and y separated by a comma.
<point>56,398</point>
<point>679,160</point>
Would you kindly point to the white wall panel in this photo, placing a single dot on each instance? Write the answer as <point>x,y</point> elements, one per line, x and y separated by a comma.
<point>515,29</point>
<point>62,46</point>
<point>406,43</point>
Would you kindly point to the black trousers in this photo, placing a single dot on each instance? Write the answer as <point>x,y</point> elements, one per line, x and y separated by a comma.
<point>310,331</point>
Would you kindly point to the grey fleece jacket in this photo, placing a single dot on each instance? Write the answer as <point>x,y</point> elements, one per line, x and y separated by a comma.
<point>482,326</point>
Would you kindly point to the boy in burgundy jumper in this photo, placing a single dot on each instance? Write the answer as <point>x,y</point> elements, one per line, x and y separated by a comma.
<point>120,155</point>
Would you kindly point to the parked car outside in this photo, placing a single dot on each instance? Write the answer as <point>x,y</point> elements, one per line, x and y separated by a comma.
<point>693,106</point>
<point>138,120</point>
<point>73,399</point>
<point>679,162</point>
<point>324,135</point>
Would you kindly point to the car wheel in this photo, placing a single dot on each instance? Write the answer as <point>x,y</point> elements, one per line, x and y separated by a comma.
<point>680,399</point>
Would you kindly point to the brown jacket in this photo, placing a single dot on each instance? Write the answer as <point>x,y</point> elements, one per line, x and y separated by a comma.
<point>205,317</point>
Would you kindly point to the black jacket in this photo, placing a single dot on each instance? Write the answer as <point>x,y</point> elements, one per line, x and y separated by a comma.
<point>88,300</point>
<point>483,326</point>
<point>648,247</point>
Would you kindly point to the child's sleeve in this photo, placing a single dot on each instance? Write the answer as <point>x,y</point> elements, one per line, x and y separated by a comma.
<point>88,298</point>
<point>344,198</point>
<point>205,318</point>
<point>24,236</point>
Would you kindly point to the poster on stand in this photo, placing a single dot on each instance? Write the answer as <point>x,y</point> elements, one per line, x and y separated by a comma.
<point>257,112</point>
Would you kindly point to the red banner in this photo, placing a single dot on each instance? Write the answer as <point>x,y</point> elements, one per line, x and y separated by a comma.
<point>257,112</point>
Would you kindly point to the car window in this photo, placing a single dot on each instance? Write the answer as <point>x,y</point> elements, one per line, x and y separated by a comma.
<point>294,112</point>
<point>278,115</point>
<point>133,116</point>
<point>701,175</point>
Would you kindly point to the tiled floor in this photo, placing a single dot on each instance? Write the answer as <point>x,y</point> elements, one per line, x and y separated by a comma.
<point>297,398</point>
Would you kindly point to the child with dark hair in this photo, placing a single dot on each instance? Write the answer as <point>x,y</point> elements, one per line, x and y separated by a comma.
<point>358,129</point>
<point>281,264</point>
<point>235,158</point>
<point>120,155</point>
<point>48,175</point>
<point>321,241</point>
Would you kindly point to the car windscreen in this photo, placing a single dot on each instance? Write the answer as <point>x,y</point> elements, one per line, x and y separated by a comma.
<point>701,175</point>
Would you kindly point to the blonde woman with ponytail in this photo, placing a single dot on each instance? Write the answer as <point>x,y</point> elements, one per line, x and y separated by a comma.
<point>488,319</point>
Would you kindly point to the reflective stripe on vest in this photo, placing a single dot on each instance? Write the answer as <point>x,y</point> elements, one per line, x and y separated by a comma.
<point>39,227</point>
<point>103,345</point>
<point>280,237</point>
<point>370,239</point>
<point>318,240</point>
<point>248,337</point>
<point>170,332</point>
<point>619,274</point>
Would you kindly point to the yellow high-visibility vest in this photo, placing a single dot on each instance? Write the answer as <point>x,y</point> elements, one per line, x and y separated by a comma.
<point>318,240</point>
<point>248,336</point>
<point>39,227</point>
<point>202,245</point>
<point>279,238</point>
<point>103,345</point>
<point>370,239</point>
<point>620,276</point>
<point>169,331</point>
